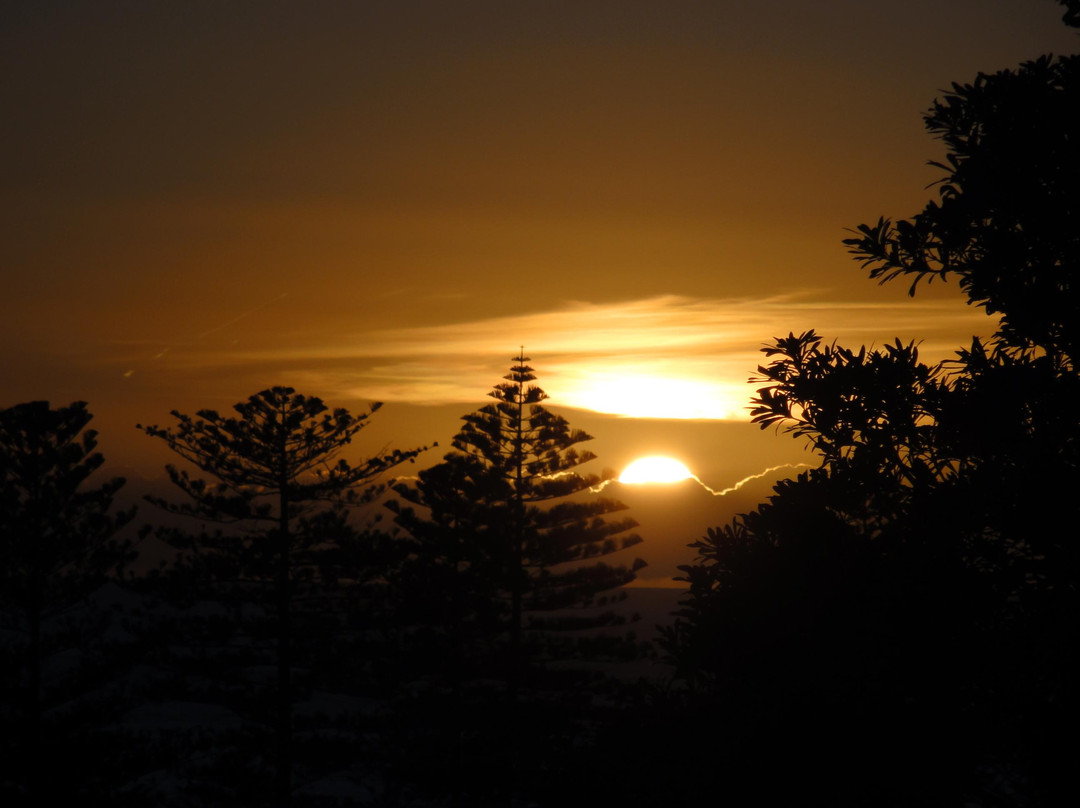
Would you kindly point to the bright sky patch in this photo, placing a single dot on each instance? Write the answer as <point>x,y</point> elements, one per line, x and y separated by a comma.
<point>655,470</point>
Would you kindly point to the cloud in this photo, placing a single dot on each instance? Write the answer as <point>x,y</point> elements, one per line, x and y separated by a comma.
<point>667,356</point>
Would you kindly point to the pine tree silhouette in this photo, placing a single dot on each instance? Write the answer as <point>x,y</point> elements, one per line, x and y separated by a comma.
<point>523,521</point>
<point>57,545</point>
<point>278,480</point>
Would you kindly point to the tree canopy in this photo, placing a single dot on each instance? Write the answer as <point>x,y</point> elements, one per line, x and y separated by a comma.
<point>921,583</point>
<point>56,530</point>
<point>277,473</point>
<point>58,543</point>
<point>1006,223</point>
<point>509,503</point>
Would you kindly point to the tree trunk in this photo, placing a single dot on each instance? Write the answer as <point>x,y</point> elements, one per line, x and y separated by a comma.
<point>517,572</point>
<point>35,770</point>
<point>284,657</point>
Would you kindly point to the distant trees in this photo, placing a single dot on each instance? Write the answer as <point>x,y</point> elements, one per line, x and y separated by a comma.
<point>58,542</point>
<point>276,473</point>
<point>921,584</point>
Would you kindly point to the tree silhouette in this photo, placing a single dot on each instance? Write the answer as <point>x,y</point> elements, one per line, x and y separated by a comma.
<point>57,544</point>
<point>448,583</point>
<point>276,471</point>
<point>516,461</point>
<point>920,585</point>
<point>1005,223</point>
<point>503,576</point>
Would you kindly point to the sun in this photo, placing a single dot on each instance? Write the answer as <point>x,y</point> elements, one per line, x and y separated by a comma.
<point>655,469</point>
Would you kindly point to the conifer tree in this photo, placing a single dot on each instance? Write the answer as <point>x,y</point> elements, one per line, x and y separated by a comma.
<point>277,474</point>
<point>448,583</point>
<point>527,519</point>
<point>57,544</point>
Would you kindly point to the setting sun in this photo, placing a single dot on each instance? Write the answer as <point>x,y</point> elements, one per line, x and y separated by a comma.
<point>655,470</point>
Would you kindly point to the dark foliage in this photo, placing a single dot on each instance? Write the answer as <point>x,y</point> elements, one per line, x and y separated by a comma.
<point>58,533</point>
<point>291,583</point>
<point>1005,223</point>
<point>913,596</point>
<point>57,546</point>
<point>508,532</point>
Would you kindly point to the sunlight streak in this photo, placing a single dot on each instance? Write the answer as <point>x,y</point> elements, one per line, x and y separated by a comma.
<point>596,489</point>
<point>733,488</point>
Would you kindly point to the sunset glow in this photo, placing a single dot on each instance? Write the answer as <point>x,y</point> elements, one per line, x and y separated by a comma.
<point>668,356</point>
<point>426,399</point>
<point>652,397</point>
<point>655,470</point>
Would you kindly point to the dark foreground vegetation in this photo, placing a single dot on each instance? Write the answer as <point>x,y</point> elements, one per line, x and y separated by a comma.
<point>292,650</point>
<point>894,627</point>
<point>905,614</point>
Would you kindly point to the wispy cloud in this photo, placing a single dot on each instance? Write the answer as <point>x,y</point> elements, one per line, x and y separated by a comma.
<point>666,356</point>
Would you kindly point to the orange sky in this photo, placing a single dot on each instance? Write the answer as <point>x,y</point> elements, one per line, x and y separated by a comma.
<point>384,200</point>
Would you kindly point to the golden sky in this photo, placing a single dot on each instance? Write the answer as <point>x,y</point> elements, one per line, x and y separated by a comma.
<point>384,200</point>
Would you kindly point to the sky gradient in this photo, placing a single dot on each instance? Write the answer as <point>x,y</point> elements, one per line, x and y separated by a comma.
<point>382,201</point>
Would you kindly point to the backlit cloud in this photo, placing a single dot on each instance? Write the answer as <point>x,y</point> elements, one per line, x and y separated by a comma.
<point>668,356</point>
